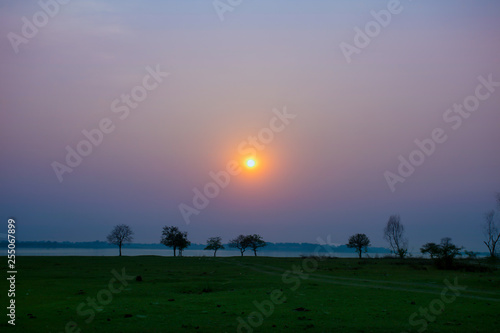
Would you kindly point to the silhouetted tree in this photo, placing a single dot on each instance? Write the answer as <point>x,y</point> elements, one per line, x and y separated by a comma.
<point>214,243</point>
<point>172,237</point>
<point>394,234</point>
<point>449,251</point>
<point>120,234</point>
<point>491,233</point>
<point>240,242</point>
<point>444,253</point>
<point>183,243</point>
<point>431,248</point>
<point>254,242</point>
<point>359,242</point>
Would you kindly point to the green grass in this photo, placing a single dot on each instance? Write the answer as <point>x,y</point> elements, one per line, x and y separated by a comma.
<point>205,294</point>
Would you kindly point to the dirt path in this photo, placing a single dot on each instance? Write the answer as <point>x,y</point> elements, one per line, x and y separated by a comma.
<point>368,283</point>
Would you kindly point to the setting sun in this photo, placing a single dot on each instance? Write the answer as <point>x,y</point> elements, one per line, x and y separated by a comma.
<point>250,163</point>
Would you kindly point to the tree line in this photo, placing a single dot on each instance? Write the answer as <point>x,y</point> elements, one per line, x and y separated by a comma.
<point>444,253</point>
<point>393,233</point>
<point>178,240</point>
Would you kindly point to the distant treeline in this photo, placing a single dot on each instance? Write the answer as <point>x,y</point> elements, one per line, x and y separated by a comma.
<point>292,247</point>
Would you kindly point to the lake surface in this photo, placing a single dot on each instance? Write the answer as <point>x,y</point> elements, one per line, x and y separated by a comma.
<point>166,252</point>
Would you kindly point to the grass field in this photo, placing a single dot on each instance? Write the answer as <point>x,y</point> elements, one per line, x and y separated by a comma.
<point>245,294</point>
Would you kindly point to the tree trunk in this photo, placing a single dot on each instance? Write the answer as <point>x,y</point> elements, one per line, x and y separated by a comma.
<point>174,251</point>
<point>489,249</point>
<point>215,253</point>
<point>120,247</point>
<point>255,252</point>
<point>359,252</point>
<point>241,252</point>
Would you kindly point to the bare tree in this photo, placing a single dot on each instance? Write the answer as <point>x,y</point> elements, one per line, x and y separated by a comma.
<point>359,242</point>
<point>254,242</point>
<point>214,243</point>
<point>172,237</point>
<point>491,232</point>
<point>394,234</point>
<point>120,234</point>
<point>240,242</point>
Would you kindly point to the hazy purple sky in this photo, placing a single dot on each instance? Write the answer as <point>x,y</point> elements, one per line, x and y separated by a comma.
<point>323,174</point>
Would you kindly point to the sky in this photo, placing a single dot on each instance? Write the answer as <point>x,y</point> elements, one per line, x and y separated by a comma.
<point>329,97</point>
